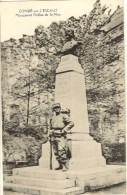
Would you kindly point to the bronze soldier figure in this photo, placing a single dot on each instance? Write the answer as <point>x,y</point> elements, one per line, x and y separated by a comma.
<point>60,125</point>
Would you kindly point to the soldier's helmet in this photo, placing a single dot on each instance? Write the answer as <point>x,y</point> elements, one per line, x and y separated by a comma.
<point>56,105</point>
<point>65,111</point>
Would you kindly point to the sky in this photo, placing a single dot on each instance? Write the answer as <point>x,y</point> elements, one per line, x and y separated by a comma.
<point>13,26</point>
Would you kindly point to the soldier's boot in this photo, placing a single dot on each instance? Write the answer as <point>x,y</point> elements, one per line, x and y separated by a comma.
<point>64,166</point>
<point>60,166</point>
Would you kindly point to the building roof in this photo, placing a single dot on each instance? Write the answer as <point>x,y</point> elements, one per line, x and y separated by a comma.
<point>116,19</point>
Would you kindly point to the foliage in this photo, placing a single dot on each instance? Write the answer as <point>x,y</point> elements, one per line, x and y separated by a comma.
<point>114,152</point>
<point>22,146</point>
<point>37,132</point>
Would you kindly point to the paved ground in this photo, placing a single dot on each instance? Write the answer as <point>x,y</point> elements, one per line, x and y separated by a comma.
<point>118,189</point>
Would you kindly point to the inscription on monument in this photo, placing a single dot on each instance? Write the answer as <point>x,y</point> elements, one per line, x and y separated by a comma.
<point>63,89</point>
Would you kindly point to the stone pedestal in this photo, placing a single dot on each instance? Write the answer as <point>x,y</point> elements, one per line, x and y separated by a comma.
<point>44,161</point>
<point>86,154</point>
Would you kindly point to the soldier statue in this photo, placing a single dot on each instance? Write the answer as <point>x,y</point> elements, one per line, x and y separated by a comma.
<point>60,125</point>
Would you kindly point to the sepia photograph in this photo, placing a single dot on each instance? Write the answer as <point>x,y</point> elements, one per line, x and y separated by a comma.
<point>63,127</point>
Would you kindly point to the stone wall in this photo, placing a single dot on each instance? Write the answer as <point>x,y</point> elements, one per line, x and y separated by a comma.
<point>107,118</point>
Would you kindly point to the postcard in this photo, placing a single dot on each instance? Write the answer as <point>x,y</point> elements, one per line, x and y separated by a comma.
<point>63,97</point>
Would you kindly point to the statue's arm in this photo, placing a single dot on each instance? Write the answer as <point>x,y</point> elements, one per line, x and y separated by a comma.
<point>68,123</point>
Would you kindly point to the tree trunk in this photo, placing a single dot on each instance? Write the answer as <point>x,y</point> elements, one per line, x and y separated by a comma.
<point>3,114</point>
<point>39,116</point>
<point>28,109</point>
<point>28,100</point>
<point>3,119</point>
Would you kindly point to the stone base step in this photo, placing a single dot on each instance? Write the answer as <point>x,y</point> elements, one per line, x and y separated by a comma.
<point>48,183</point>
<point>87,179</point>
<point>41,190</point>
<point>6,192</point>
<point>89,173</point>
<point>97,172</point>
<point>97,178</point>
<point>38,172</point>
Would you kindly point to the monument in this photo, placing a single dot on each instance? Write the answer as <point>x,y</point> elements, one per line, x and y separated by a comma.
<point>70,92</point>
<point>87,167</point>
